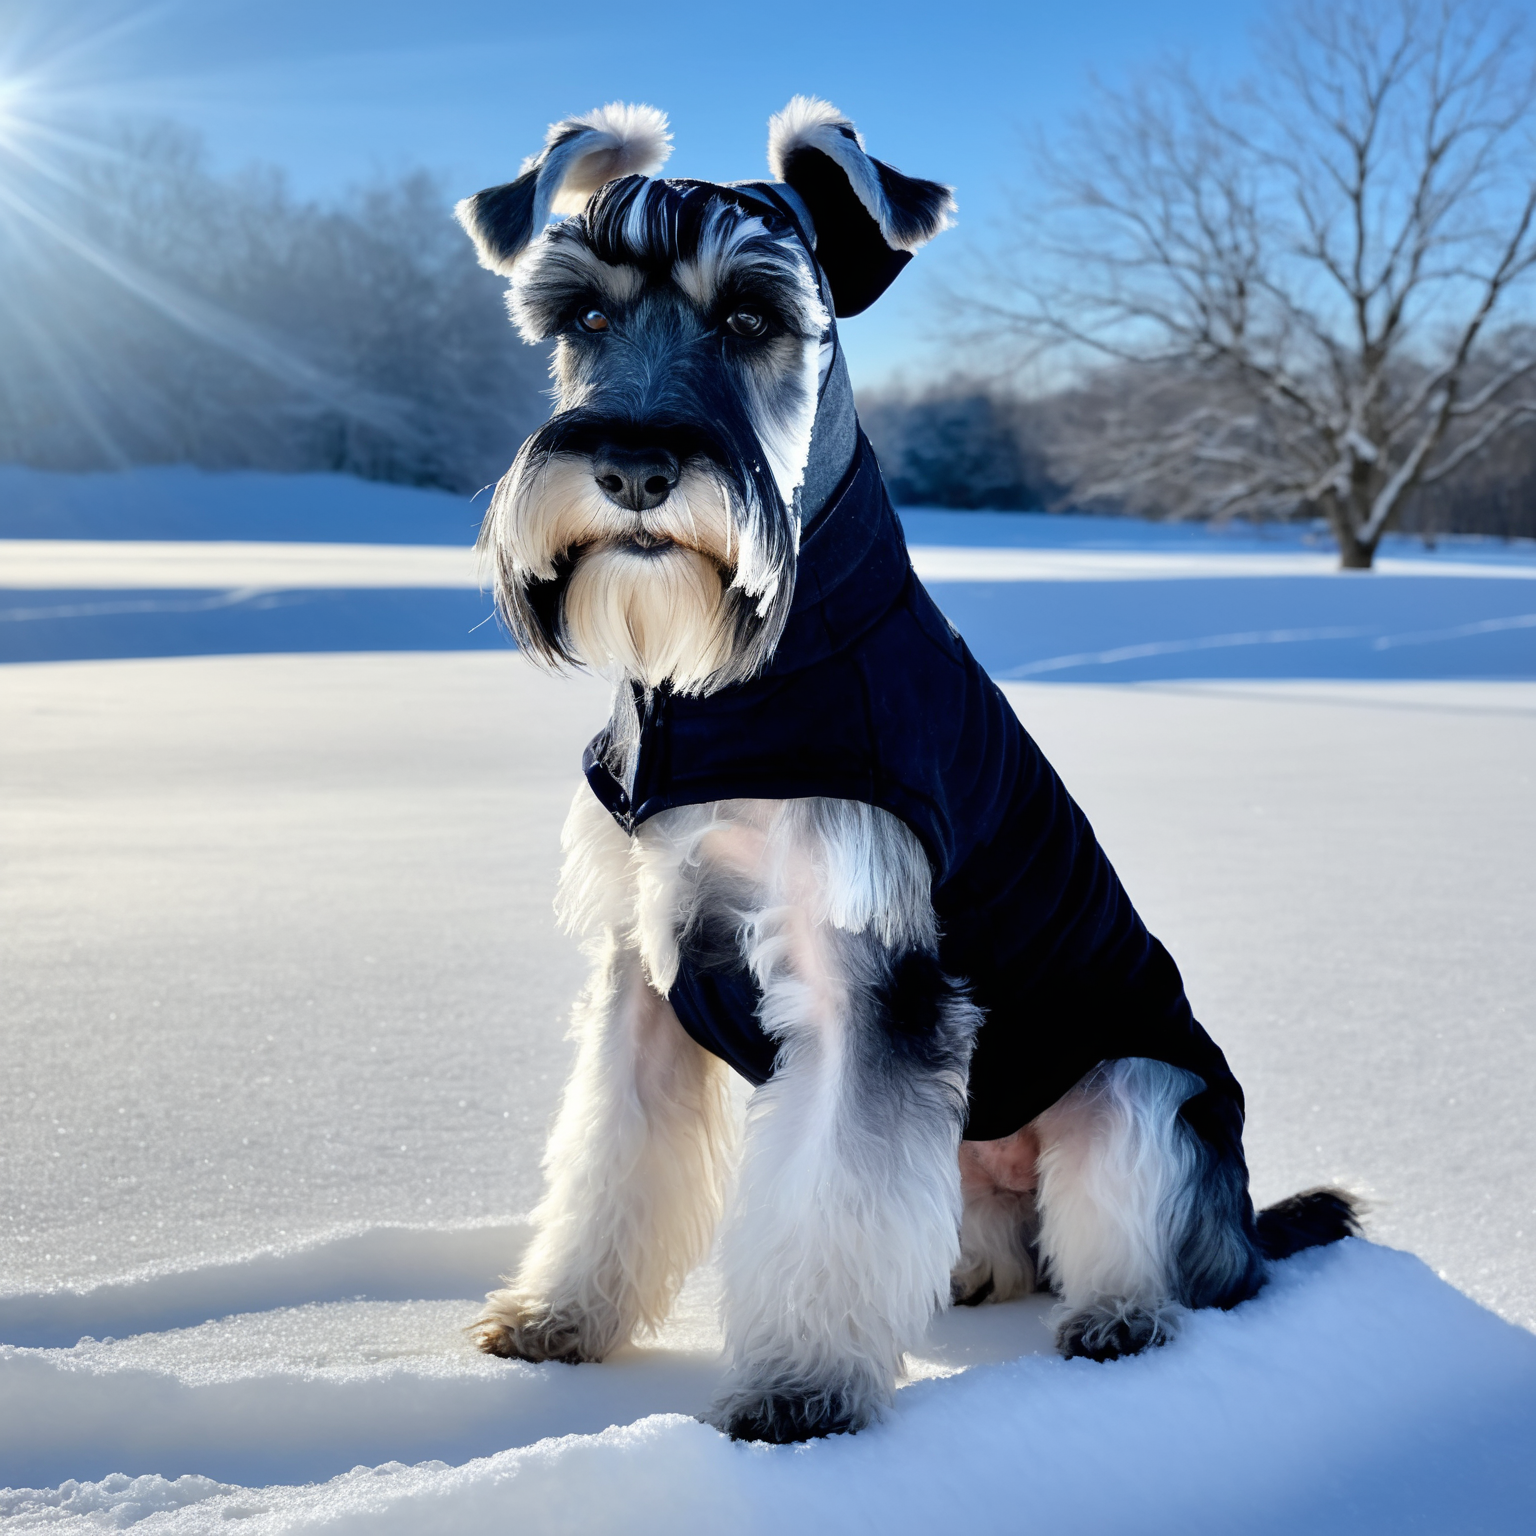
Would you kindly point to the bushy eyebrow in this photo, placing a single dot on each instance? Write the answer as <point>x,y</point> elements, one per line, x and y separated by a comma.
<point>731,253</point>
<point>541,295</point>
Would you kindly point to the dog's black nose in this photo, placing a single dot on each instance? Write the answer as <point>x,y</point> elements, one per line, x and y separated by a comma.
<point>637,478</point>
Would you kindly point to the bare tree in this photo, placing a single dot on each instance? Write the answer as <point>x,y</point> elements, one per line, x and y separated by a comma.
<point>1291,289</point>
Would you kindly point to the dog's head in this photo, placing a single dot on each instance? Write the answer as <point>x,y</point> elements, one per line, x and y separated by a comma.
<point>651,526</point>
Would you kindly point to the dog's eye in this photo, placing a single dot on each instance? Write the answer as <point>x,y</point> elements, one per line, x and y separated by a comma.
<point>592,320</point>
<point>746,322</point>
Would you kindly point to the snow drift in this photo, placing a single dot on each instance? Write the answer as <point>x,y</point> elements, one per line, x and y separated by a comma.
<point>1356,1394</point>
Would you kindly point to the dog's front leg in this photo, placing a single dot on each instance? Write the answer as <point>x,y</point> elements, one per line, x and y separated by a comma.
<point>846,1228</point>
<point>634,1172</point>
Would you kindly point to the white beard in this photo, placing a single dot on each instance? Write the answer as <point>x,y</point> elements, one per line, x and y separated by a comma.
<point>654,614</point>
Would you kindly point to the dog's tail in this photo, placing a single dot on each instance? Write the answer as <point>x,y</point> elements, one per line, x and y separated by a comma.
<point>1308,1220</point>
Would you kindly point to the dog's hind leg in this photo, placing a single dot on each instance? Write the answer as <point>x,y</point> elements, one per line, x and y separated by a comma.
<point>1144,1207</point>
<point>999,1222</point>
<point>844,1234</point>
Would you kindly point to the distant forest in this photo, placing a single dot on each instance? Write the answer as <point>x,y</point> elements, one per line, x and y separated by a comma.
<point>154,312</point>
<point>970,444</point>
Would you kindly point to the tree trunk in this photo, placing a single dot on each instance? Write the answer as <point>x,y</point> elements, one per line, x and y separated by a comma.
<point>1354,553</point>
<point>1355,556</point>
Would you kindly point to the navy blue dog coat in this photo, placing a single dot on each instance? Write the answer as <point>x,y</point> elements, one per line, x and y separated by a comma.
<point>873,696</point>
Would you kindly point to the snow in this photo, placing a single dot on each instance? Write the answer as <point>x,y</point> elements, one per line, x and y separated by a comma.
<point>179,502</point>
<point>153,565</point>
<point>939,564</point>
<point>314,892</point>
<point>281,998</point>
<point>176,561</point>
<point>310,1391</point>
<point>249,899</point>
<point>388,1263</point>
<point>1357,1393</point>
<point>247,902</point>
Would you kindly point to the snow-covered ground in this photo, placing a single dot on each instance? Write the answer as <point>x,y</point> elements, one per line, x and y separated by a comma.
<point>1357,1394</point>
<point>175,561</point>
<point>282,1003</point>
<point>283,997</point>
<point>179,502</point>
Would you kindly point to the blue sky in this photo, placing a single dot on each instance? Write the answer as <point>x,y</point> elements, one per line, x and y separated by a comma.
<point>335,91</point>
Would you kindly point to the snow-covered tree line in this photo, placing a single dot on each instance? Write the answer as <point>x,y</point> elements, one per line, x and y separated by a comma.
<point>153,311</point>
<point>972,442</point>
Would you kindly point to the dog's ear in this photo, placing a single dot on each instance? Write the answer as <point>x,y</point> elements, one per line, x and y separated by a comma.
<point>580,155</point>
<point>869,218</point>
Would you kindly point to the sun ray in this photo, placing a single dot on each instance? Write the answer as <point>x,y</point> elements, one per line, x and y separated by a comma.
<point>67,178</point>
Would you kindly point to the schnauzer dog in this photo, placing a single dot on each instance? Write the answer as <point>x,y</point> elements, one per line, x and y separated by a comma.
<point>815,845</point>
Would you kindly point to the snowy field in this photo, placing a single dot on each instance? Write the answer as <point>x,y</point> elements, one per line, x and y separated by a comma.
<point>282,1007</point>
<point>171,562</point>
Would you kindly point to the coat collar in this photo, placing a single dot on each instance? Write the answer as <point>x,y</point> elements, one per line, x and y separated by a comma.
<point>852,567</point>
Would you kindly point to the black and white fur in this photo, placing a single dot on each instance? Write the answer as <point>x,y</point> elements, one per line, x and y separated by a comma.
<point>649,531</point>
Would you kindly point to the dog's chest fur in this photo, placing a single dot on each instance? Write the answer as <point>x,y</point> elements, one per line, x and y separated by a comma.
<point>767,887</point>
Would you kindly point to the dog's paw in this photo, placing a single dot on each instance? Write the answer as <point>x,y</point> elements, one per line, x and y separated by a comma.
<point>520,1328</point>
<point>781,1415</point>
<point>1112,1329</point>
<point>971,1288</point>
